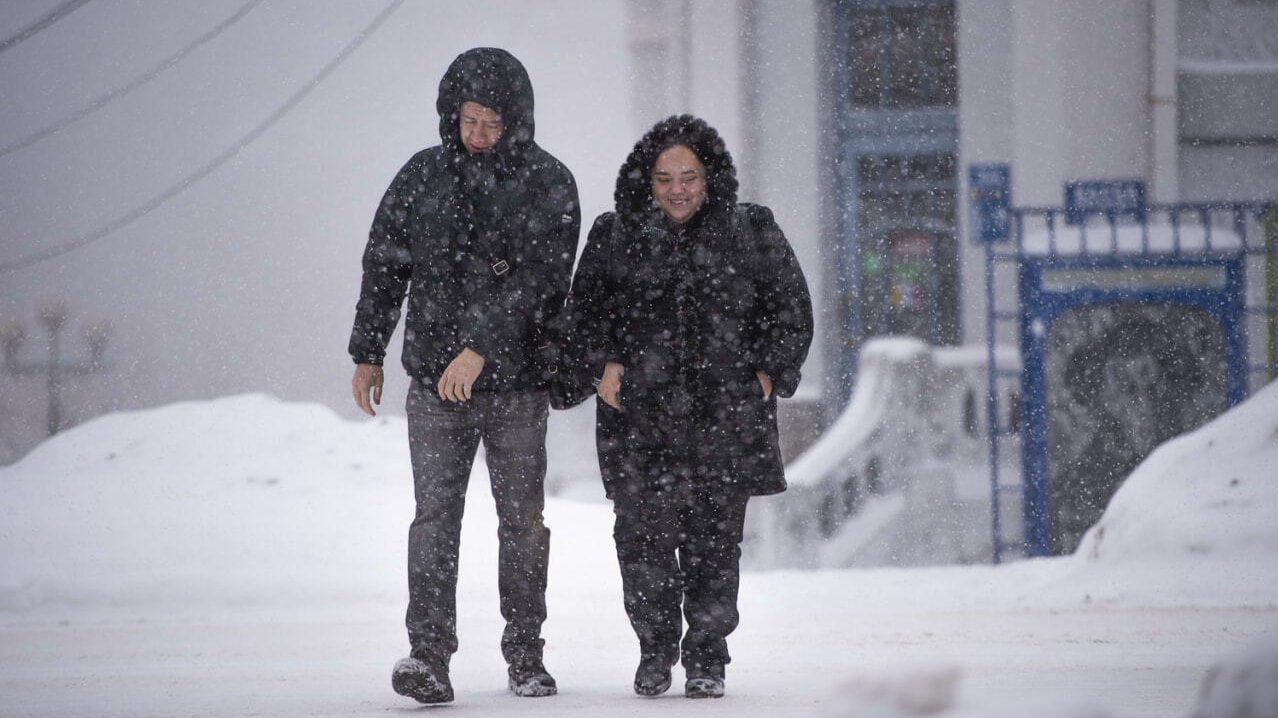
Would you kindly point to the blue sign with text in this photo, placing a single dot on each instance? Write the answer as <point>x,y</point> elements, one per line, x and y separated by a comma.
<point>991,187</point>
<point>1120,199</point>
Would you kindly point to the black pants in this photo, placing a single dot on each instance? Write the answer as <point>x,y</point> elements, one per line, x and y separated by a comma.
<point>443,440</point>
<point>679,546</point>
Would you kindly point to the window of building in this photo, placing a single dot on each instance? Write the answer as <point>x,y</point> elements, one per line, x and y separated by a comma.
<point>894,84</point>
<point>903,56</point>
<point>908,219</point>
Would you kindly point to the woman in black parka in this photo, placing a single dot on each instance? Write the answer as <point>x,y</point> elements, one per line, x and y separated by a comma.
<point>693,315</point>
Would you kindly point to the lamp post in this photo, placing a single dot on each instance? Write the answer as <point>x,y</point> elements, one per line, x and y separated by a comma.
<point>53,315</point>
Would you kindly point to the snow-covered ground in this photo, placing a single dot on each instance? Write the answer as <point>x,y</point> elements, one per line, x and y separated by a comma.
<point>243,557</point>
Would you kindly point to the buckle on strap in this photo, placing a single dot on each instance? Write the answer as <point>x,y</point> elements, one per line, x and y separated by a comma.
<point>500,267</point>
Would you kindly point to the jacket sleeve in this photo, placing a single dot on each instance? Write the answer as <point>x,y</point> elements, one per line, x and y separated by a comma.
<point>387,268</point>
<point>590,309</point>
<point>502,328</point>
<point>783,330</point>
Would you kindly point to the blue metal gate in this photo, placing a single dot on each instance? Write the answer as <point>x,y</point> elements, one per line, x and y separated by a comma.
<point>1134,322</point>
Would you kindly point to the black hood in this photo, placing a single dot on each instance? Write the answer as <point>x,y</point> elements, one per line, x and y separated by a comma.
<point>633,195</point>
<point>493,78</point>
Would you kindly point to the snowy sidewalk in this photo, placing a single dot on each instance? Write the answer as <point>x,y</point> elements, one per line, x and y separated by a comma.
<point>803,638</point>
<point>146,571</point>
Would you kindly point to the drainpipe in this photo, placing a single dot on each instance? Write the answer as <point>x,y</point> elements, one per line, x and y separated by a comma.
<point>1164,140</point>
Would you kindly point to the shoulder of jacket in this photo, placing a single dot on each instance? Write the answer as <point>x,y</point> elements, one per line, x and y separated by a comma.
<point>758,214</point>
<point>423,161</point>
<point>428,155</point>
<point>759,220</point>
<point>539,160</point>
<point>604,221</point>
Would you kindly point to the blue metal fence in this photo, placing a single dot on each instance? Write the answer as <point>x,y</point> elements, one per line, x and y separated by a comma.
<point>1210,258</point>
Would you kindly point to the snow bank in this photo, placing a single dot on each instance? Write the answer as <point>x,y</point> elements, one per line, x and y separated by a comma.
<point>1194,523</point>
<point>248,499</point>
<point>226,501</point>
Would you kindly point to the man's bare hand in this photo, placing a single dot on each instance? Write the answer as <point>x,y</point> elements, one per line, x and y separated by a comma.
<point>766,382</point>
<point>609,388</point>
<point>367,380</point>
<point>460,375</point>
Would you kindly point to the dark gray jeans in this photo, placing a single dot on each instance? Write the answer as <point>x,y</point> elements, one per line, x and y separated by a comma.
<point>443,439</point>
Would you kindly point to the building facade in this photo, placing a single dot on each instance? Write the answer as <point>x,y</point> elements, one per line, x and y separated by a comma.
<point>856,121</point>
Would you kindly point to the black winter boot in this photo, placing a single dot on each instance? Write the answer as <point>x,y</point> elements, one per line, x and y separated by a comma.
<point>652,678</point>
<point>529,679</point>
<point>423,677</point>
<point>704,682</point>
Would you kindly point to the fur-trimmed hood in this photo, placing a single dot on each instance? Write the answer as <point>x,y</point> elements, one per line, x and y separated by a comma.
<point>497,80</point>
<point>633,194</point>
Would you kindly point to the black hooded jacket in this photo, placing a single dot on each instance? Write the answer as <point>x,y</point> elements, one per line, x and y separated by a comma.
<point>482,245</point>
<point>691,315</point>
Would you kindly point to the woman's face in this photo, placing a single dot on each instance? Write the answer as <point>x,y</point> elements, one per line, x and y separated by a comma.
<point>679,183</point>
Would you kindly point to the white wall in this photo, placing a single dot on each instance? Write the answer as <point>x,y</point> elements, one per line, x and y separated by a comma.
<point>782,169</point>
<point>1080,88</point>
<point>985,132</point>
<point>1060,92</point>
<point>1227,99</point>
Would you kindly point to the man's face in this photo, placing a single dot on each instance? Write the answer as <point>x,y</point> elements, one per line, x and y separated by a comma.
<point>679,183</point>
<point>480,127</point>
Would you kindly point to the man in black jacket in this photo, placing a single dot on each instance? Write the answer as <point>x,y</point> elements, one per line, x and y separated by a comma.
<point>479,233</point>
